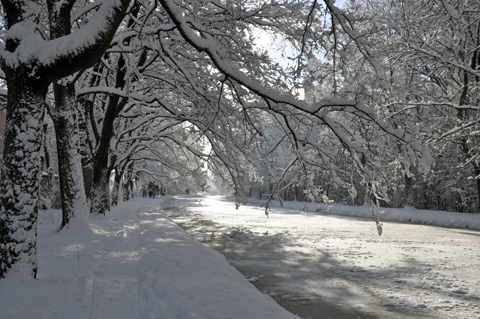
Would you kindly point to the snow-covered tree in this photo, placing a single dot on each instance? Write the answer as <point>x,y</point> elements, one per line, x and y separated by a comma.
<point>31,59</point>
<point>416,63</point>
<point>188,67</point>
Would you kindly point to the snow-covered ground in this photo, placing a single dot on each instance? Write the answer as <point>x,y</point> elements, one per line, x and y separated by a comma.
<point>137,263</point>
<point>322,265</point>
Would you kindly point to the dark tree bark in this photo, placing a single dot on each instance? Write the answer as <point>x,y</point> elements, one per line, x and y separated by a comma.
<point>72,191</point>
<point>65,119</point>
<point>27,82</point>
<point>128,185</point>
<point>116,185</point>
<point>99,195</point>
<point>409,182</point>
<point>85,105</point>
<point>22,166</point>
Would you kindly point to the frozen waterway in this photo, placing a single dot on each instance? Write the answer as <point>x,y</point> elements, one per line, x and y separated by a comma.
<point>328,266</point>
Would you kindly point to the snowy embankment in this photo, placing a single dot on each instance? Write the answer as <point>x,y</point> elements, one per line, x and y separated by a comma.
<point>407,214</point>
<point>134,264</point>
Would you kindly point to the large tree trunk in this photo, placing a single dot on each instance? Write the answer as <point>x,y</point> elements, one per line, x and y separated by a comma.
<point>28,75</point>
<point>116,185</point>
<point>99,195</point>
<point>100,201</point>
<point>88,132</point>
<point>87,162</point>
<point>72,191</point>
<point>65,119</point>
<point>127,185</point>
<point>19,182</point>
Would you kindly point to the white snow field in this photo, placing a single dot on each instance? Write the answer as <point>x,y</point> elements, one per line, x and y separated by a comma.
<point>320,265</point>
<point>137,263</point>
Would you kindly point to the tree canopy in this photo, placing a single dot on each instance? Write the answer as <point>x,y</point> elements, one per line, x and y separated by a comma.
<point>168,94</point>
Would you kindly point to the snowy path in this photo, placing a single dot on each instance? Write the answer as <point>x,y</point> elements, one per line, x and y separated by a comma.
<point>112,277</point>
<point>339,267</point>
<point>135,264</point>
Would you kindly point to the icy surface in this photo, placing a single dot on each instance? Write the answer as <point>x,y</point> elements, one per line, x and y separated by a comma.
<point>339,265</point>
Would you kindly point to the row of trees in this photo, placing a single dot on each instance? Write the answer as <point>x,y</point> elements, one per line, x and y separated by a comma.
<point>417,64</point>
<point>163,90</point>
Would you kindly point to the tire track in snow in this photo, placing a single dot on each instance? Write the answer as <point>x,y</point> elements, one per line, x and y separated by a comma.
<point>88,299</point>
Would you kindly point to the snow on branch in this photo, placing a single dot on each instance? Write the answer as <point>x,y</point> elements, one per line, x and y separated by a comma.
<point>65,55</point>
<point>208,44</point>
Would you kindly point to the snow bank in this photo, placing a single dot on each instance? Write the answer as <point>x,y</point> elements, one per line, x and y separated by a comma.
<point>135,264</point>
<point>407,214</point>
